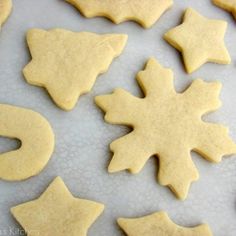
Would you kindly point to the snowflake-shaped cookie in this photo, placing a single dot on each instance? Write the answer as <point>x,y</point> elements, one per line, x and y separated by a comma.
<point>166,124</point>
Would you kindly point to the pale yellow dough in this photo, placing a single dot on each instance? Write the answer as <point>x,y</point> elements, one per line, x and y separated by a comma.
<point>228,5</point>
<point>5,10</point>
<point>159,224</point>
<point>67,63</point>
<point>37,142</point>
<point>57,213</point>
<point>146,13</point>
<point>200,40</point>
<point>166,124</point>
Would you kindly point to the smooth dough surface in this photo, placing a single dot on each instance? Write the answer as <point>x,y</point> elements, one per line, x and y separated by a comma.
<point>146,13</point>
<point>37,142</point>
<point>168,125</point>
<point>67,63</point>
<point>228,5</point>
<point>5,10</point>
<point>57,213</point>
<point>159,224</point>
<point>200,40</point>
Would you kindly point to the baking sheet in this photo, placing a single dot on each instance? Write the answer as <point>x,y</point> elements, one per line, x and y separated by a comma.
<point>82,155</point>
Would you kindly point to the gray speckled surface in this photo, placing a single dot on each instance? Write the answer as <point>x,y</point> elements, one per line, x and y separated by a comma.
<point>81,154</point>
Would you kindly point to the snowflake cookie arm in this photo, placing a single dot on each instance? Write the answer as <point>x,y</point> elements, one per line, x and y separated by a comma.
<point>212,140</point>
<point>177,174</point>
<point>160,224</point>
<point>156,80</point>
<point>121,107</point>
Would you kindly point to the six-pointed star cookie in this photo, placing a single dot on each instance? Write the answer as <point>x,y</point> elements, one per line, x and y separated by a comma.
<point>57,213</point>
<point>166,124</point>
<point>159,224</point>
<point>146,13</point>
<point>200,40</point>
<point>5,10</point>
<point>67,63</point>
<point>228,5</point>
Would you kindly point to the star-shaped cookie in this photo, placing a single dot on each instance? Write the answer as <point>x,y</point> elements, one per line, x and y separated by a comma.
<point>159,224</point>
<point>67,63</point>
<point>5,10</point>
<point>57,213</point>
<point>200,40</point>
<point>146,13</point>
<point>228,5</point>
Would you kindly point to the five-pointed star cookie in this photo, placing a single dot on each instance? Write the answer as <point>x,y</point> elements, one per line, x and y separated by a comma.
<point>57,213</point>
<point>5,10</point>
<point>228,5</point>
<point>67,63</point>
<point>200,40</point>
<point>159,224</point>
<point>168,125</point>
<point>146,13</point>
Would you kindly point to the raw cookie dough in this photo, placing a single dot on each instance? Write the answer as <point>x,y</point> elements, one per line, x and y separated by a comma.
<point>146,13</point>
<point>5,10</point>
<point>159,224</point>
<point>57,213</point>
<point>228,5</point>
<point>67,63</point>
<point>200,40</point>
<point>166,124</point>
<point>37,142</point>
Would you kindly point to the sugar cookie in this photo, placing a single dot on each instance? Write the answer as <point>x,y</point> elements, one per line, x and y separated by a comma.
<point>200,40</point>
<point>146,13</point>
<point>37,142</point>
<point>166,124</point>
<point>57,212</point>
<point>228,5</point>
<point>67,63</point>
<point>5,10</point>
<point>159,224</point>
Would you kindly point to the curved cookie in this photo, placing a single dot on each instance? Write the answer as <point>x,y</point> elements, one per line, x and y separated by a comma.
<point>200,40</point>
<point>67,63</point>
<point>146,13</point>
<point>228,5</point>
<point>37,142</point>
<point>159,224</point>
<point>57,212</point>
<point>5,10</point>
<point>168,125</point>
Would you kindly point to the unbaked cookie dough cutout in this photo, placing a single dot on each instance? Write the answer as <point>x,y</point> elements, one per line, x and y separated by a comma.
<point>5,10</point>
<point>146,13</point>
<point>228,5</point>
<point>200,40</point>
<point>168,125</point>
<point>37,142</point>
<point>57,212</point>
<point>159,224</point>
<point>67,63</point>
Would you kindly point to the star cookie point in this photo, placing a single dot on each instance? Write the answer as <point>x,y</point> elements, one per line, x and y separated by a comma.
<point>200,40</point>
<point>57,212</point>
